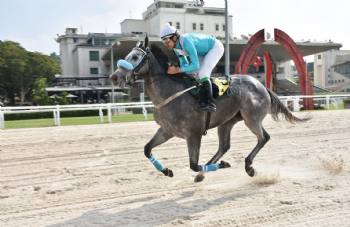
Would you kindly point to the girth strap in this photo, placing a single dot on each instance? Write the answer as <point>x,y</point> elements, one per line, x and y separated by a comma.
<point>207,122</point>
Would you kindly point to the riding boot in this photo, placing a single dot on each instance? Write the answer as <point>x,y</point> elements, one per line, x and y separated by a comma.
<point>210,106</point>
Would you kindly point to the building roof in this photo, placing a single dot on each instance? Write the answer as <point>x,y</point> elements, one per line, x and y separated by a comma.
<point>236,48</point>
<point>342,62</point>
<point>341,59</point>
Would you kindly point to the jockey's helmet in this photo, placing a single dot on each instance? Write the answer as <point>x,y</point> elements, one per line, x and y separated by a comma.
<point>168,32</point>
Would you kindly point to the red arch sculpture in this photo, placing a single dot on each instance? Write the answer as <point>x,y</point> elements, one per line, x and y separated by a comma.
<point>281,37</point>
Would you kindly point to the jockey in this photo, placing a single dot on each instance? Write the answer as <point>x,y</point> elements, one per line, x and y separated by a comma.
<point>204,53</point>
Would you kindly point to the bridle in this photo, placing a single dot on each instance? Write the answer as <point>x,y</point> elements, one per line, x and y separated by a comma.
<point>135,69</point>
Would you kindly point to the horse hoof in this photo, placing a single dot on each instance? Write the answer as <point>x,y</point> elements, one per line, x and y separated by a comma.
<point>251,172</point>
<point>224,165</point>
<point>199,178</point>
<point>168,172</point>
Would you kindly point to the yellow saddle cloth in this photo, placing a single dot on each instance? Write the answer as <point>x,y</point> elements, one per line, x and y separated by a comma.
<point>222,84</point>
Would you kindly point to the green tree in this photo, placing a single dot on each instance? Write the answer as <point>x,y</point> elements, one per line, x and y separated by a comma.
<point>12,57</point>
<point>310,66</point>
<point>39,93</point>
<point>55,57</point>
<point>63,100</point>
<point>23,69</point>
<point>311,77</point>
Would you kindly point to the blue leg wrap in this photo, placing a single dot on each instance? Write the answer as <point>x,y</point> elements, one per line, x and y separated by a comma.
<point>156,163</point>
<point>212,167</point>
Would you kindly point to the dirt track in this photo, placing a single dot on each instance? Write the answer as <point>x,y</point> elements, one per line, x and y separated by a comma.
<point>97,175</point>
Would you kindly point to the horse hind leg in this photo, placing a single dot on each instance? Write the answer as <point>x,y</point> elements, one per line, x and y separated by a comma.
<point>159,138</point>
<point>263,138</point>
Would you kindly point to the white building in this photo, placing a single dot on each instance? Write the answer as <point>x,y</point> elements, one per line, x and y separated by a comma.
<point>185,16</point>
<point>332,70</point>
<point>86,59</point>
<point>80,56</point>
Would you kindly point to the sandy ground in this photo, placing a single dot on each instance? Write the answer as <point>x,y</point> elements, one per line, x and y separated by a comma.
<point>97,175</point>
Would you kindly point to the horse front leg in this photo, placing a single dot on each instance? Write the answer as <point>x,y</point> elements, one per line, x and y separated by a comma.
<point>159,138</point>
<point>193,145</point>
<point>224,133</point>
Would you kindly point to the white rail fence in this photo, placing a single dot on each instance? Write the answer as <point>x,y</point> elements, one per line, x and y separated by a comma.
<point>293,102</point>
<point>57,109</point>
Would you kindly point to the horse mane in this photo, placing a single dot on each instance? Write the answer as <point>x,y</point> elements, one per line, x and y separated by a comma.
<point>163,60</point>
<point>161,57</point>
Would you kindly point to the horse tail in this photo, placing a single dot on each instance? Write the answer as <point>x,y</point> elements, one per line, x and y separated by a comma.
<point>278,108</point>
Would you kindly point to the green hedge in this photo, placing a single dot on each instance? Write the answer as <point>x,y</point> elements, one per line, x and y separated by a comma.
<point>139,110</point>
<point>346,102</point>
<point>41,115</point>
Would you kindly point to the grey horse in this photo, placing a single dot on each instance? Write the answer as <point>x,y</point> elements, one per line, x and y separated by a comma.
<point>250,102</point>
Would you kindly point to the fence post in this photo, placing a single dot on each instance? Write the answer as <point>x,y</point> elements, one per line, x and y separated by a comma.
<point>285,102</point>
<point>144,111</point>
<point>101,114</point>
<point>296,106</point>
<point>58,115</point>
<point>327,101</point>
<point>54,117</point>
<point>335,103</point>
<point>109,113</point>
<point>2,119</point>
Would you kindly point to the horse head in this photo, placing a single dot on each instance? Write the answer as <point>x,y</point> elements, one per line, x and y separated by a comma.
<point>135,65</point>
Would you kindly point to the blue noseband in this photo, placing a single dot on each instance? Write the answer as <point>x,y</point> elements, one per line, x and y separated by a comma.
<point>128,65</point>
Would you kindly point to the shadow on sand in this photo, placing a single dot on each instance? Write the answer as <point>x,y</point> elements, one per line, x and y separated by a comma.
<point>152,214</point>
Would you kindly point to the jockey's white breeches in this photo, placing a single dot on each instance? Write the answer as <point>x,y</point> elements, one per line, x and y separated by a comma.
<point>209,61</point>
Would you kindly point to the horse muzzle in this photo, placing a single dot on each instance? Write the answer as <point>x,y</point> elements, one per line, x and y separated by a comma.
<point>114,79</point>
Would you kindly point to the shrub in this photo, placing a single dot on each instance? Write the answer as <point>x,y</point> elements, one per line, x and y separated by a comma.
<point>346,102</point>
<point>318,107</point>
<point>139,110</point>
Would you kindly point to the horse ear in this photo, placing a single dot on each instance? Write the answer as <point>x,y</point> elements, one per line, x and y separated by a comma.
<point>146,41</point>
<point>138,43</point>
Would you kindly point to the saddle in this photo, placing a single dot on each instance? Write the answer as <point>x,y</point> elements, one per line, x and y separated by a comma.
<point>219,88</point>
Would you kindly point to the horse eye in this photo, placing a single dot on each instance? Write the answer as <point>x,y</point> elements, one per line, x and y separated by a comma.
<point>134,57</point>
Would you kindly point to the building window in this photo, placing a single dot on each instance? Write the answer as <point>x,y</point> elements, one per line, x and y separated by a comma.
<point>329,75</point>
<point>342,81</point>
<point>194,26</point>
<point>280,70</point>
<point>177,25</point>
<point>202,27</point>
<point>94,56</point>
<point>329,70</point>
<point>93,70</point>
<point>338,81</point>
<point>171,23</point>
<point>329,81</point>
<point>319,56</point>
<point>75,40</point>
<point>216,27</point>
<point>335,81</point>
<point>223,27</point>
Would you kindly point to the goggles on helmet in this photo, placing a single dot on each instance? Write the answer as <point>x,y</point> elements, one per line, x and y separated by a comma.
<point>166,40</point>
